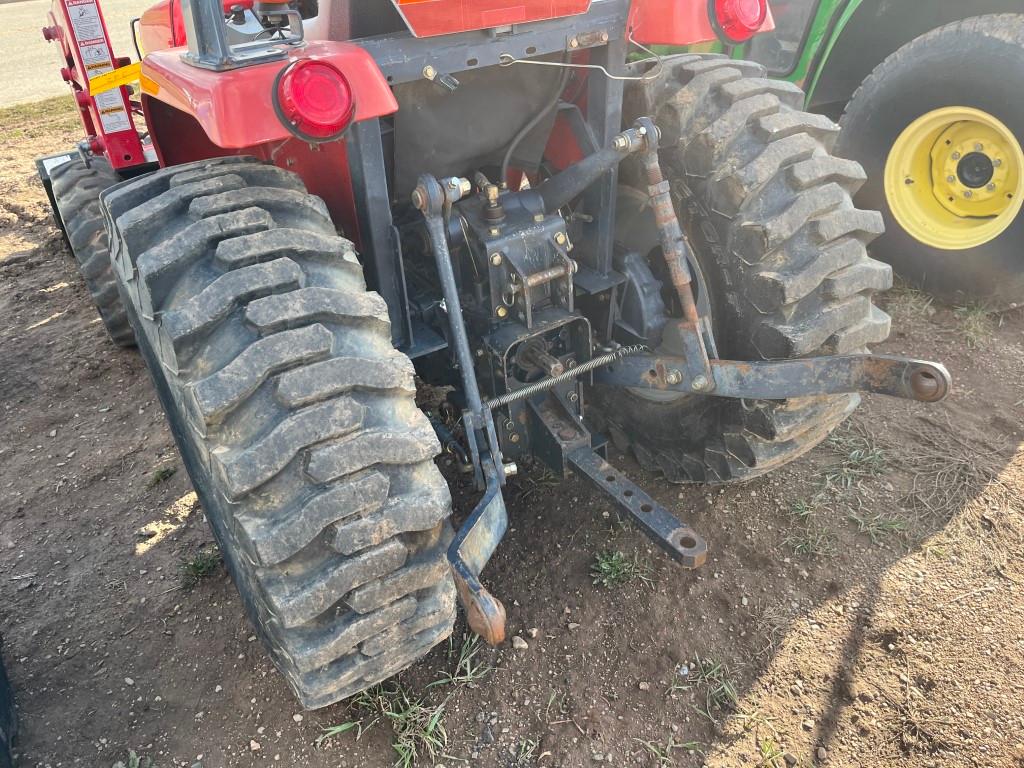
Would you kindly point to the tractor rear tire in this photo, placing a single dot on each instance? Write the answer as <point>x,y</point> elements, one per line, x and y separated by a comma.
<point>956,75</point>
<point>781,255</point>
<point>76,190</point>
<point>295,417</point>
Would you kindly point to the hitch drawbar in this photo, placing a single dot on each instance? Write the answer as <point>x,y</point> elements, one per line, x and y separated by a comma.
<point>681,542</point>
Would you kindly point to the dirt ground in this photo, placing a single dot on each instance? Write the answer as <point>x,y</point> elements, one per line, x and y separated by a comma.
<point>861,607</point>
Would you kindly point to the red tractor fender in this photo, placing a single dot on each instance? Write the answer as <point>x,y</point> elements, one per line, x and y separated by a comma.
<point>234,107</point>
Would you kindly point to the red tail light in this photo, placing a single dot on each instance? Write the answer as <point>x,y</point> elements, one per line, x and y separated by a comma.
<point>314,100</point>
<point>738,20</point>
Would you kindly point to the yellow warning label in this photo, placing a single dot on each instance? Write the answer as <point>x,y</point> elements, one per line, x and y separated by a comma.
<point>115,79</point>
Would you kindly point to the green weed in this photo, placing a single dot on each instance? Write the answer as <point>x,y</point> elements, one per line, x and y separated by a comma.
<point>202,565</point>
<point>613,569</point>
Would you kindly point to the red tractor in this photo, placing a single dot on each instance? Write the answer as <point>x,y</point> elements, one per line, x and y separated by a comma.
<point>538,213</point>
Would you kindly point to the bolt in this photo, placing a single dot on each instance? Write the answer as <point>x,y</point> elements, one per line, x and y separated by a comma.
<point>968,193</point>
<point>620,142</point>
<point>604,37</point>
<point>511,469</point>
<point>419,199</point>
<point>560,238</point>
<point>510,425</point>
<point>575,266</point>
<point>951,179</point>
<point>570,363</point>
<point>573,397</point>
<point>496,259</point>
<point>501,312</point>
<point>700,383</point>
<point>990,187</point>
<point>574,43</point>
<point>429,72</point>
<point>673,377</point>
<point>642,130</point>
<point>978,147</point>
<point>997,162</point>
<point>955,155</point>
<point>538,217</point>
<point>908,181</point>
<point>494,231</point>
<point>513,438</point>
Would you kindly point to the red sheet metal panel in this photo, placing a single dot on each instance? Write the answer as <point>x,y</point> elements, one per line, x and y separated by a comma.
<point>427,18</point>
<point>676,22</point>
<point>234,107</point>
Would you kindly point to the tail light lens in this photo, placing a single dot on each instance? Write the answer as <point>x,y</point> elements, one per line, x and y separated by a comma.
<point>314,100</point>
<point>738,20</point>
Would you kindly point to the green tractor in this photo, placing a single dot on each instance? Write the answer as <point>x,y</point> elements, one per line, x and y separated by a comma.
<point>927,94</point>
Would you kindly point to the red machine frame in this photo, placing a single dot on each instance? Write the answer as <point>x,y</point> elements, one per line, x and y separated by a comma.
<point>79,28</point>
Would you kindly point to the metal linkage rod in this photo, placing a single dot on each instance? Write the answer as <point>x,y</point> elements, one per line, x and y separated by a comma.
<point>574,373</point>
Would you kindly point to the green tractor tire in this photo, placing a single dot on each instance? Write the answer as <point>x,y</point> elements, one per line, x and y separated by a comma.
<point>939,131</point>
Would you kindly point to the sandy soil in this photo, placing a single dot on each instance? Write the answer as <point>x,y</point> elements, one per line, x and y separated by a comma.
<point>862,607</point>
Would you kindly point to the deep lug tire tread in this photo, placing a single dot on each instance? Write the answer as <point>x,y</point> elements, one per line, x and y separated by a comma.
<point>76,191</point>
<point>796,276</point>
<point>295,415</point>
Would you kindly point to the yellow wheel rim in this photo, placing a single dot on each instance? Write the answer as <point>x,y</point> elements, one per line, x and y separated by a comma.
<point>954,179</point>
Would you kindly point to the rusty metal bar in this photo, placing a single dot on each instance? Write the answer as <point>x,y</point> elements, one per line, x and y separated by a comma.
<point>782,379</point>
<point>677,538</point>
<point>673,246</point>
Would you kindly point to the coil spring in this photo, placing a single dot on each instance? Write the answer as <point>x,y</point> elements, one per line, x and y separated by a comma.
<point>580,370</point>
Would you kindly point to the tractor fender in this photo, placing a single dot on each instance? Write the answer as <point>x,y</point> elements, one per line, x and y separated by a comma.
<point>234,107</point>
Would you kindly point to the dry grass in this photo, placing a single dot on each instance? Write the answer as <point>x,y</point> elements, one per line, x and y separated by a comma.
<point>946,470</point>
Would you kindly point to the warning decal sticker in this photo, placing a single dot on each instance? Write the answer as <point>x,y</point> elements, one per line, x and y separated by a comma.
<point>85,20</point>
<point>88,29</point>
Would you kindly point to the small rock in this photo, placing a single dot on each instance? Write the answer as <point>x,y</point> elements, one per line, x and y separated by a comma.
<point>744,601</point>
<point>487,735</point>
<point>790,758</point>
<point>129,681</point>
<point>822,753</point>
<point>645,686</point>
<point>532,632</point>
<point>53,433</point>
<point>519,644</point>
<point>573,625</point>
<point>254,745</point>
<point>808,725</point>
<point>218,689</point>
<point>297,718</point>
<point>796,690</point>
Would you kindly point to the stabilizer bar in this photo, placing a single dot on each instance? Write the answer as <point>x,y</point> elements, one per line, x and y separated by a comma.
<point>783,379</point>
